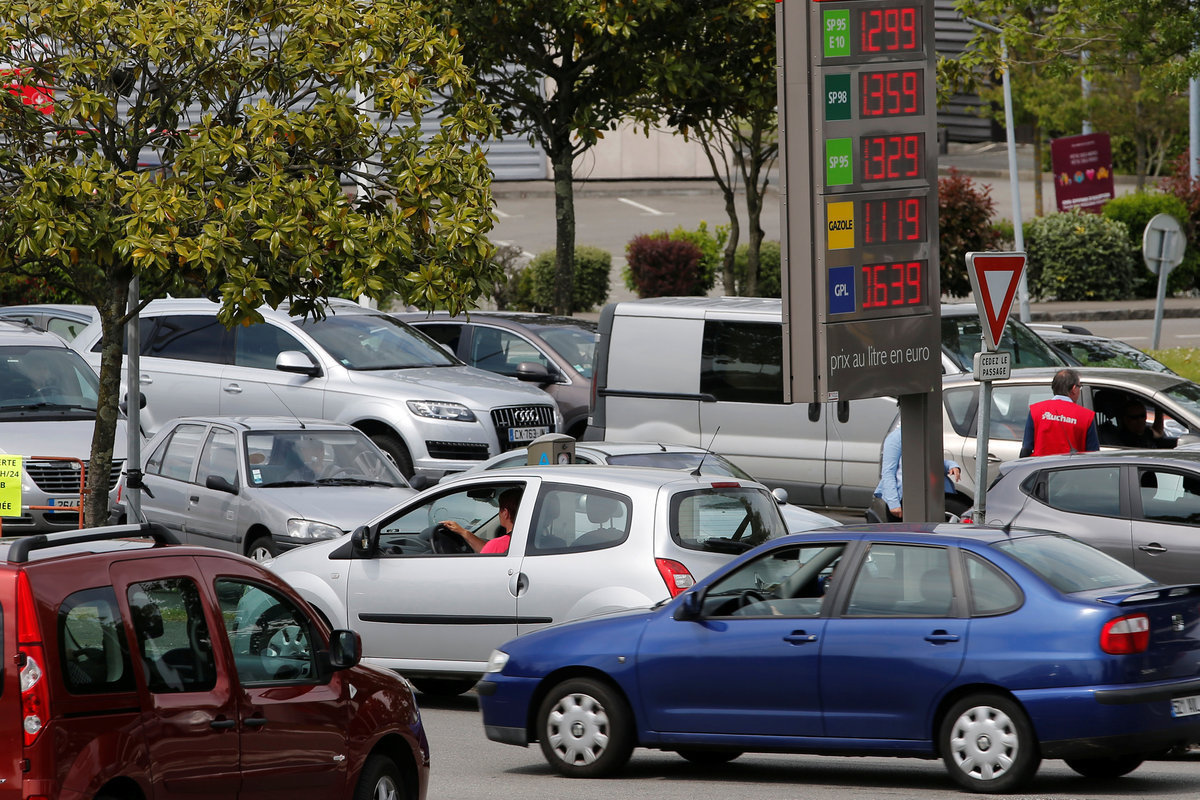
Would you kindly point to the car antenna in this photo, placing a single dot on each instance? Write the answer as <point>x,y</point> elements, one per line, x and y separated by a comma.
<point>707,450</point>
<point>299,421</point>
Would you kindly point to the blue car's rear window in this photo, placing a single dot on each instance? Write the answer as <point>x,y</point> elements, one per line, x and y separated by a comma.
<point>1069,565</point>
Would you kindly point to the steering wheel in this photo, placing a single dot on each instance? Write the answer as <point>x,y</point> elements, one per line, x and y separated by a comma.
<point>335,471</point>
<point>446,541</point>
<point>750,596</point>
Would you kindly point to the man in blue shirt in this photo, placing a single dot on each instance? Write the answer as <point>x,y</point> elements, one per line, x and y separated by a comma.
<point>891,477</point>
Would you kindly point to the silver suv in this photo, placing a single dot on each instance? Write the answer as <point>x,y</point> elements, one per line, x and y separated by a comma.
<point>47,416</point>
<point>422,406</point>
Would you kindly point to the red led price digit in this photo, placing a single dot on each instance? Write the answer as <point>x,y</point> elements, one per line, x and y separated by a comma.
<point>912,277</point>
<point>910,222</point>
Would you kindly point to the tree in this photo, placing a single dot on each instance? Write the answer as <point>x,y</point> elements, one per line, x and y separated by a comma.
<point>725,97</point>
<point>203,147</point>
<point>561,73</point>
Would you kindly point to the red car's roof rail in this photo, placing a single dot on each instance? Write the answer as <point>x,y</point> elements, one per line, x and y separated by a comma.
<point>19,550</point>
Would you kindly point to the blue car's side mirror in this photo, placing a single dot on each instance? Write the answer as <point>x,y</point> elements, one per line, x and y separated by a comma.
<point>689,606</point>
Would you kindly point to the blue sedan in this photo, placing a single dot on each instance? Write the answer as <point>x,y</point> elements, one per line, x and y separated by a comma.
<point>988,648</point>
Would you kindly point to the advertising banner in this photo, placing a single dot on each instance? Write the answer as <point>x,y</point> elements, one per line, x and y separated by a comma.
<point>1083,174</point>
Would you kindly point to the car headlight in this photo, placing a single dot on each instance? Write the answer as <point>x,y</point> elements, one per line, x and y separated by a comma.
<point>312,531</point>
<point>496,661</point>
<point>436,409</point>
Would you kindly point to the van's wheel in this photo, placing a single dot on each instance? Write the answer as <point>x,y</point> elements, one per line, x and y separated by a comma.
<point>1113,767</point>
<point>261,548</point>
<point>988,745</point>
<point>380,780</point>
<point>394,449</point>
<point>585,729</point>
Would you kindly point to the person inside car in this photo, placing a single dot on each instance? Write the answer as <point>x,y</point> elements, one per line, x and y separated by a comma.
<point>510,500</point>
<point>1133,432</point>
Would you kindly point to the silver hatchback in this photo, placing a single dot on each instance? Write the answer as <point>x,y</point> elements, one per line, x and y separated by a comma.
<point>262,485</point>
<point>586,540</point>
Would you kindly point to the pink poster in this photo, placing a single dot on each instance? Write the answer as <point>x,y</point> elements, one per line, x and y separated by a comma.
<point>1082,168</point>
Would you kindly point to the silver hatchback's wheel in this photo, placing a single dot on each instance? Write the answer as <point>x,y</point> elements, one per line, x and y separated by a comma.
<point>585,729</point>
<point>262,548</point>
<point>988,744</point>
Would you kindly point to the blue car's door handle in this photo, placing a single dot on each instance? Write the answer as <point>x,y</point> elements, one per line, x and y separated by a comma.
<point>800,637</point>
<point>941,637</point>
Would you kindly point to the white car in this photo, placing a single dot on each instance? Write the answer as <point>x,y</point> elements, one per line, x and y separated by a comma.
<point>670,456</point>
<point>586,540</point>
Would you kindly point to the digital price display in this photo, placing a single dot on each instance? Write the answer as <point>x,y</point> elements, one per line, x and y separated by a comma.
<point>889,29</point>
<point>892,93</point>
<point>896,284</point>
<point>893,220</point>
<point>892,158</point>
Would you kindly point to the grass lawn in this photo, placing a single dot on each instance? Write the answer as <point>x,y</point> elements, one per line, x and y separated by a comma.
<point>1184,360</point>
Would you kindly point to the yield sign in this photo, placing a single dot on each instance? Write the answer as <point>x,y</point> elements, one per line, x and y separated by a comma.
<point>994,279</point>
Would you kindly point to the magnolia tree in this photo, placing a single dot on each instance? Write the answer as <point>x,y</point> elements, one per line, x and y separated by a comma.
<point>261,151</point>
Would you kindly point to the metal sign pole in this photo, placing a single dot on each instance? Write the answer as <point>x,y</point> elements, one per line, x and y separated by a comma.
<point>1161,300</point>
<point>984,416</point>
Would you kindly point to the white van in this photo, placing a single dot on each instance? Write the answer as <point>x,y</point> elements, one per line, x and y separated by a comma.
<point>708,372</point>
<point>422,406</point>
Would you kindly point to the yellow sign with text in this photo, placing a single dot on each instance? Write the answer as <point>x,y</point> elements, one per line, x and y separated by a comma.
<point>10,486</point>
<point>840,226</point>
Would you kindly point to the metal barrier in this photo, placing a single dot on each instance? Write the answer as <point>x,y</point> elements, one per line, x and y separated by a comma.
<point>79,503</point>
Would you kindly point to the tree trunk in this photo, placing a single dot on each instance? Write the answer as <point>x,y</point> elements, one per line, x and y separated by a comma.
<point>729,257</point>
<point>564,230</point>
<point>95,511</point>
<point>751,170</point>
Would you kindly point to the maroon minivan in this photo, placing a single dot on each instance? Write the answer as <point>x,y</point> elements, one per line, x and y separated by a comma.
<point>137,669</point>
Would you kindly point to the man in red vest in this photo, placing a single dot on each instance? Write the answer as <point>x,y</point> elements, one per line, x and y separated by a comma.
<point>1060,424</point>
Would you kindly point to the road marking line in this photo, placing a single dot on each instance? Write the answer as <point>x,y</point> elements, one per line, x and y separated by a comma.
<point>1136,338</point>
<point>1187,336</point>
<point>647,209</point>
<point>524,253</point>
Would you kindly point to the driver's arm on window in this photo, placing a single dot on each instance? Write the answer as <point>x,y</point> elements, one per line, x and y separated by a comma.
<point>474,541</point>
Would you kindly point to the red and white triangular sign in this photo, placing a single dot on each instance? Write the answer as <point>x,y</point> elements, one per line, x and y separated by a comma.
<point>994,279</point>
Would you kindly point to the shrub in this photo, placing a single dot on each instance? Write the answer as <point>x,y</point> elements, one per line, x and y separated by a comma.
<point>1077,255</point>
<point>769,281</point>
<point>1181,185</point>
<point>590,288</point>
<point>663,266</point>
<point>712,252</point>
<point>964,223</point>
<point>1135,210</point>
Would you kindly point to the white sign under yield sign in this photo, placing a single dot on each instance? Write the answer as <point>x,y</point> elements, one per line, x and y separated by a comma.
<point>1163,244</point>
<point>994,280</point>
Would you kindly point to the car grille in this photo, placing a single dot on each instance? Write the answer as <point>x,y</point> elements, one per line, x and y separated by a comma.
<point>520,417</point>
<point>459,451</point>
<point>62,477</point>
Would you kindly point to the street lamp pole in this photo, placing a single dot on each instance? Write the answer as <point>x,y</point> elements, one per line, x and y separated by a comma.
<point>1014,176</point>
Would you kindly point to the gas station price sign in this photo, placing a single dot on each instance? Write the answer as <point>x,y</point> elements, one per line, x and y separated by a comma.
<point>859,140</point>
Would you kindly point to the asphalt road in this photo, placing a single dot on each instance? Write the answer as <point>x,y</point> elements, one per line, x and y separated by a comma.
<point>467,766</point>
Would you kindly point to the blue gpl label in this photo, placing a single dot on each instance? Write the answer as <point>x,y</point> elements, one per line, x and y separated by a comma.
<point>841,290</point>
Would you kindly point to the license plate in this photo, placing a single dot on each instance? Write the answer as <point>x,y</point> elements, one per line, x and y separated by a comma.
<point>1185,706</point>
<point>526,434</point>
<point>64,502</point>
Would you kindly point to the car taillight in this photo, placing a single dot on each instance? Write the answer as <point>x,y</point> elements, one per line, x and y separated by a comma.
<point>1124,635</point>
<point>675,575</point>
<point>35,694</point>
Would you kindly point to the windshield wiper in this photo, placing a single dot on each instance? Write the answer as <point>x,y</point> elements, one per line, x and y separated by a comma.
<point>352,482</point>
<point>278,484</point>
<point>43,405</point>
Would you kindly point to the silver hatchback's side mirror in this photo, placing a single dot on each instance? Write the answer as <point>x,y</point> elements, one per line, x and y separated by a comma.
<point>780,495</point>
